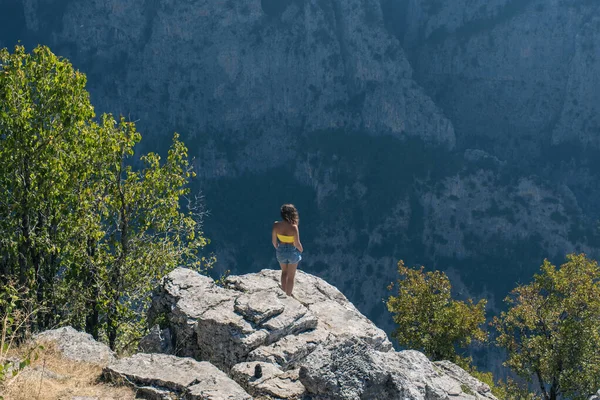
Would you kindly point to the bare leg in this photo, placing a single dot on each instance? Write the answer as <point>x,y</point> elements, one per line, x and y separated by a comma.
<point>284,276</point>
<point>291,275</point>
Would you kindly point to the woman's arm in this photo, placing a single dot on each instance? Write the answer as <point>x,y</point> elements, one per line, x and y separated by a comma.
<point>297,239</point>
<point>274,236</point>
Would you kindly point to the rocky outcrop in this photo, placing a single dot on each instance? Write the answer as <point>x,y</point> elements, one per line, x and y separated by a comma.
<point>268,379</point>
<point>157,341</point>
<point>351,369</point>
<point>312,345</point>
<point>596,396</point>
<point>77,346</point>
<point>250,340</point>
<point>163,376</point>
<point>251,318</point>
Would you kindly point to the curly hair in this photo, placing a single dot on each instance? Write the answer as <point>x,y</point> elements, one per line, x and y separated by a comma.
<point>290,214</point>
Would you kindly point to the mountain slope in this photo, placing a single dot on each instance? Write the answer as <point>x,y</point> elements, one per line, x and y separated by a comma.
<point>446,133</point>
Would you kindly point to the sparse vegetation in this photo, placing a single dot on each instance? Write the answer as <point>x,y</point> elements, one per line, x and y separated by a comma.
<point>551,329</point>
<point>53,377</point>
<point>16,311</point>
<point>429,320</point>
<point>86,233</point>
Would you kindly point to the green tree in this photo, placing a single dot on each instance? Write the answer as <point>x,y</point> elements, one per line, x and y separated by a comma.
<point>80,226</point>
<point>552,329</point>
<point>144,232</point>
<point>44,108</point>
<point>429,320</point>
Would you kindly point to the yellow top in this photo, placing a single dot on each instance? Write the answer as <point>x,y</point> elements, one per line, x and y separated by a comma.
<point>285,239</point>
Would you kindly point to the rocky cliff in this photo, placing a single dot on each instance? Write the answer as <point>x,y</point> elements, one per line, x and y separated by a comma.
<point>456,134</point>
<point>526,72</point>
<point>518,79</point>
<point>246,339</point>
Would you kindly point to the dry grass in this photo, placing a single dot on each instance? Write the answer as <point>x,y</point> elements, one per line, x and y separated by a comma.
<point>52,377</point>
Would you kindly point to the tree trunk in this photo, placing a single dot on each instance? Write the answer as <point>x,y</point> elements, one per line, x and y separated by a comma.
<point>25,245</point>
<point>115,273</point>
<point>24,249</point>
<point>554,390</point>
<point>112,318</point>
<point>51,313</point>
<point>92,318</point>
<point>543,386</point>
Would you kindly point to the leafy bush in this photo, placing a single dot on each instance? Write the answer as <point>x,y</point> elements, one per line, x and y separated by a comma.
<point>87,233</point>
<point>16,310</point>
<point>551,330</point>
<point>429,320</point>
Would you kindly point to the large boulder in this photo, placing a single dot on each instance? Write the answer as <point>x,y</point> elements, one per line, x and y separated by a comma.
<point>165,376</point>
<point>351,369</point>
<point>251,318</point>
<point>77,346</point>
<point>314,345</point>
<point>596,396</point>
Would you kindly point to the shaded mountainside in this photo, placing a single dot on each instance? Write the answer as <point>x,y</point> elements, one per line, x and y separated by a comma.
<point>458,135</point>
<point>526,72</point>
<point>519,79</point>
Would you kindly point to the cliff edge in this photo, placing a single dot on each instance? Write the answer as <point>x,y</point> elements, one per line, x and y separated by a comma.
<point>245,339</point>
<point>314,345</point>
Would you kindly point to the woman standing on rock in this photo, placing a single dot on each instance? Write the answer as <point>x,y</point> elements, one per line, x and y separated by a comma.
<point>286,240</point>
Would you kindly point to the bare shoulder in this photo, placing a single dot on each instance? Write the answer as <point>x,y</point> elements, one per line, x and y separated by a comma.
<point>275,224</point>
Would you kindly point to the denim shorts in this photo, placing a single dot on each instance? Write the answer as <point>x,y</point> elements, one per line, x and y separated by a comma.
<point>288,254</point>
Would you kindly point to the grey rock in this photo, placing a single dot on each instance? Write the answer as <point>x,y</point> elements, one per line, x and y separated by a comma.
<point>77,346</point>
<point>258,307</point>
<point>165,373</point>
<point>595,396</point>
<point>351,369</point>
<point>209,391</point>
<point>463,377</point>
<point>315,343</point>
<point>224,325</point>
<point>290,349</point>
<point>157,341</point>
<point>152,393</point>
<point>273,382</point>
<point>182,298</point>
